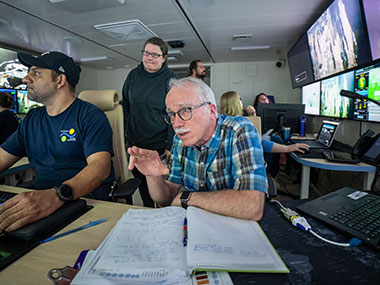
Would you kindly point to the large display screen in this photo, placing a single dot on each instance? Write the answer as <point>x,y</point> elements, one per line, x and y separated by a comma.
<point>332,104</point>
<point>11,70</point>
<point>337,39</point>
<point>24,104</point>
<point>300,66</point>
<point>372,16</point>
<point>311,96</point>
<point>12,93</point>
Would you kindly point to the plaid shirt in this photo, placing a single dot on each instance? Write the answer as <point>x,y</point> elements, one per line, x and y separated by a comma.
<point>231,159</point>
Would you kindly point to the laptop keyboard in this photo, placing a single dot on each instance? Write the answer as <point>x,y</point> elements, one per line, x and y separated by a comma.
<point>4,196</point>
<point>364,218</point>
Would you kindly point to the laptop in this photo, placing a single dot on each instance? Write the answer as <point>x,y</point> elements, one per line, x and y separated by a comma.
<point>325,136</point>
<point>353,212</point>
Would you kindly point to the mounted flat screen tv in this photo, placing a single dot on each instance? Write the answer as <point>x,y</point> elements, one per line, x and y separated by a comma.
<point>337,39</point>
<point>372,16</point>
<point>11,70</point>
<point>300,65</point>
<point>332,104</point>
<point>311,98</point>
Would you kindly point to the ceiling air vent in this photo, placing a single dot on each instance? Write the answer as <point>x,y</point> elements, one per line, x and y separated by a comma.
<point>176,44</point>
<point>78,6</point>
<point>126,31</point>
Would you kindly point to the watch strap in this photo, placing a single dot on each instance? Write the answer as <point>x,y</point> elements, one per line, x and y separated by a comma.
<point>185,197</point>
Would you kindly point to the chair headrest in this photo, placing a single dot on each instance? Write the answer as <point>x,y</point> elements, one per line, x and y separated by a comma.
<point>103,99</point>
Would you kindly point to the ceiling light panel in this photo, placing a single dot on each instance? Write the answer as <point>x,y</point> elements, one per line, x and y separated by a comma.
<point>126,31</point>
<point>78,6</point>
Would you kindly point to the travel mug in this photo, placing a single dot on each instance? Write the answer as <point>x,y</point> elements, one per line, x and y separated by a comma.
<point>286,133</point>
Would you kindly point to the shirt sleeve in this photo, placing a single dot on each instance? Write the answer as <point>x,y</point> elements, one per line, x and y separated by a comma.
<point>248,159</point>
<point>175,168</point>
<point>267,145</point>
<point>97,134</point>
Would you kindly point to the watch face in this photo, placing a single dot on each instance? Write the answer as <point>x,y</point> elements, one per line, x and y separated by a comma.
<point>185,195</point>
<point>65,192</point>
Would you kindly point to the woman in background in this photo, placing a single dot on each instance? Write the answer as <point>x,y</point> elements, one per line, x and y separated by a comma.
<point>144,94</point>
<point>231,105</point>
<point>8,119</point>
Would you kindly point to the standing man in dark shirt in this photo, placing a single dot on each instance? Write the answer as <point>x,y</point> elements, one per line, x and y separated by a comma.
<point>68,142</point>
<point>144,94</point>
<point>8,119</point>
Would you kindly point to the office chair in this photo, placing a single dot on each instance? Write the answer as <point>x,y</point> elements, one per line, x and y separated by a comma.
<point>108,102</point>
<point>272,188</point>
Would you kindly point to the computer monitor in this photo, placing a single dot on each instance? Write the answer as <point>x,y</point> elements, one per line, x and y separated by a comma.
<point>11,70</point>
<point>24,104</point>
<point>332,104</point>
<point>311,98</point>
<point>300,65</point>
<point>372,16</point>
<point>361,88</point>
<point>275,116</point>
<point>337,39</point>
<point>13,93</point>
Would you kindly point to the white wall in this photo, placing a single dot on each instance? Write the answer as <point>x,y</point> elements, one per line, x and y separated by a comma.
<point>91,79</point>
<point>252,78</point>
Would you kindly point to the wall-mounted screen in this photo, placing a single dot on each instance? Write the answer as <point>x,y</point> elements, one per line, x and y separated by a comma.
<point>372,16</point>
<point>11,71</point>
<point>337,39</point>
<point>300,66</point>
<point>24,104</point>
<point>311,98</point>
<point>12,93</point>
<point>332,104</point>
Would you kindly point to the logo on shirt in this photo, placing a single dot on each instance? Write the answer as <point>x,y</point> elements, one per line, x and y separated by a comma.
<point>68,135</point>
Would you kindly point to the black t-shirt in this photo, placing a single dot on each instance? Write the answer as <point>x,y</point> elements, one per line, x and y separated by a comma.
<point>8,124</point>
<point>57,147</point>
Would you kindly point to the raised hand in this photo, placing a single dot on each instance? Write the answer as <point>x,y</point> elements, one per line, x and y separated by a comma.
<point>147,162</point>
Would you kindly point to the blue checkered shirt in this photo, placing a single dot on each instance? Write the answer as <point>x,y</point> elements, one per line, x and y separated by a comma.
<point>231,159</point>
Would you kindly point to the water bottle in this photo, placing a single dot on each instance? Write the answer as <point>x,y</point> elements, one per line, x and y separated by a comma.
<point>302,126</point>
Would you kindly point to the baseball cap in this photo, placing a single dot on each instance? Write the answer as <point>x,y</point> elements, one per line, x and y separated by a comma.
<point>57,61</point>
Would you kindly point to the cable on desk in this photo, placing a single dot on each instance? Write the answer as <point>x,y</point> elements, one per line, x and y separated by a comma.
<point>301,223</point>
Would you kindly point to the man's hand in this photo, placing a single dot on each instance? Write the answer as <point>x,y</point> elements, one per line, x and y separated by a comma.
<point>147,162</point>
<point>28,207</point>
<point>298,147</point>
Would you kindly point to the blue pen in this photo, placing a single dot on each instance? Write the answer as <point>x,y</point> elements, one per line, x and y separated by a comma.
<point>185,232</point>
<point>91,224</point>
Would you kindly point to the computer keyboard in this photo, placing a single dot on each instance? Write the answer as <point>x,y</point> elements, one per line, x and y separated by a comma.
<point>363,218</point>
<point>4,196</point>
<point>339,156</point>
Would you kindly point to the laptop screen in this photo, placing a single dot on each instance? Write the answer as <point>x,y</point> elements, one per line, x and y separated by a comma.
<point>327,132</point>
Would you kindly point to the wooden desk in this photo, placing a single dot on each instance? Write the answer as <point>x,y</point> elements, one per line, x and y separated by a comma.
<point>33,267</point>
<point>369,171</point>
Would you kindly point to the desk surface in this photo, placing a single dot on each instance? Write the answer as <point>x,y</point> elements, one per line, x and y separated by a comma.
<point>328,165</point>
<point>310,260</point>
<point>33,267</point>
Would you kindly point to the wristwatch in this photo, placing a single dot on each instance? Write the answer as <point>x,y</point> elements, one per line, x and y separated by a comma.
<point>65,192</point>
<point>185,197</point>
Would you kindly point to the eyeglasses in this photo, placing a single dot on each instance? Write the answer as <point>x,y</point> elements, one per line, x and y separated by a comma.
<point>185,113</point>
<point>153,54</point>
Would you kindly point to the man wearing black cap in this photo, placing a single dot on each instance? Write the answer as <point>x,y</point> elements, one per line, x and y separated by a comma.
<point>68,142</point>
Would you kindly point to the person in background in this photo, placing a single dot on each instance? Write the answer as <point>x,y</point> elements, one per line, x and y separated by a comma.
<point>218,160</point>
<point>67,141</point>
<point>197,69</point>
<point>8,119</point>
<point>231,105</point>
<point>144,93</point>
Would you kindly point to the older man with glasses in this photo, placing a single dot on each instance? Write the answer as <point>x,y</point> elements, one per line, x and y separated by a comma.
<point>217,159</point>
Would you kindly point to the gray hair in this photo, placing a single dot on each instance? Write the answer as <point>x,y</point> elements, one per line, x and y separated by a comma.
<point>204,91</point>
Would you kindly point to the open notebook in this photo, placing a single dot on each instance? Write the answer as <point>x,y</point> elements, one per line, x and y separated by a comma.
<point>149,245</point>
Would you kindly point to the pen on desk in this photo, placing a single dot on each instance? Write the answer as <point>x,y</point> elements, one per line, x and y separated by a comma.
<point>185,232</point>
<point>91,224</point>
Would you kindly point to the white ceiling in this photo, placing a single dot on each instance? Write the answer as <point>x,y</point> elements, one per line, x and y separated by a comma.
<point>206,30</point>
